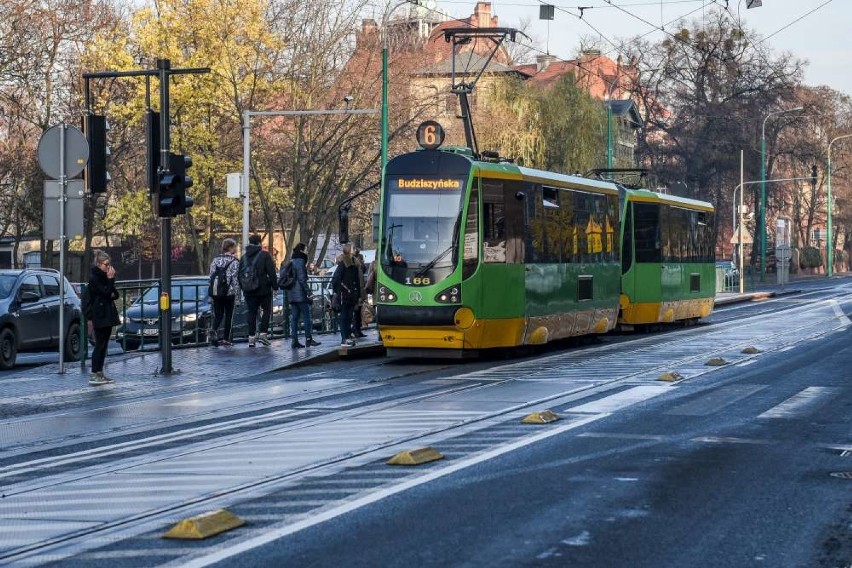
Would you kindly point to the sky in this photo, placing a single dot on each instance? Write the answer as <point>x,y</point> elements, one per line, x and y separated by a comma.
<point>823,36</point>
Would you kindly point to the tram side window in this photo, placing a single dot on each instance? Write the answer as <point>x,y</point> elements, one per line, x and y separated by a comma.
<point>611,228</point>
<point>470,251</point>
<point>514,201</point>
<point>493,222</point>
<point>646,218</point>
<point>627,242</point>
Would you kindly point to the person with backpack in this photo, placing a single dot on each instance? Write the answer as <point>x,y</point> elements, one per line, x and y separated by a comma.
<point>257,280</point>
<point>223,290</point>
<point>348,284</point>
<point>101,313</point>
<point>294,280</point>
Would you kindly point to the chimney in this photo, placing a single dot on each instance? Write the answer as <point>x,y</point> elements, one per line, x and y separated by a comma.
<point>369,33</point>
<point>482,16</point>
<point>543,61</point>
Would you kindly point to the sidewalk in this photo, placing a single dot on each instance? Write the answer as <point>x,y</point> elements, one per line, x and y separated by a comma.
<point>771,290</point>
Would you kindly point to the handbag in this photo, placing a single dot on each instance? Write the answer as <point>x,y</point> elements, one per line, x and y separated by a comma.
<point>367,313</point>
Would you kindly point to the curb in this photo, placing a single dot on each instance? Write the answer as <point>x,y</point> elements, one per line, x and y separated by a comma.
<point>751,296</point>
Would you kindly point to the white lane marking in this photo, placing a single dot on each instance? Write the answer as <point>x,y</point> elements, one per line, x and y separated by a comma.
<point>322,517</point>
<point>620,400</point>
<point>747,363</point>
<point>581,539</point>
<point>724,440</point>
<point>835,305</point>
<point>800,403</point>
<point>621,436</point>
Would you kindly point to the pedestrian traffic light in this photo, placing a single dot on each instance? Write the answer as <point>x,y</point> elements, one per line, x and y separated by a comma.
<point>172,199</point>
<point>96,174</point>
<point>813,175</point>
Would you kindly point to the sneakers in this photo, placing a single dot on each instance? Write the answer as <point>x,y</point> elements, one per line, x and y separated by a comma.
<point>214,339</point>
<point>311,343</point>
<point>226,343</point>
<point>297,345</point>
<point>348,343</point>
<point>99,379</point>
<point>252,339</point>
<point>261,338</point>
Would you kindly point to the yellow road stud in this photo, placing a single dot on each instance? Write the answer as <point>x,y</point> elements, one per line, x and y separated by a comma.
<point>416,457</point>
<point>206,525</point>
<point>540,417</point>
<point>670,376</point>
<point>716,362</point>
<point>750,350</point>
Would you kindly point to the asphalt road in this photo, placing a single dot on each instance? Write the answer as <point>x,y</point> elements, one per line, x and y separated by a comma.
<point>745,464</point>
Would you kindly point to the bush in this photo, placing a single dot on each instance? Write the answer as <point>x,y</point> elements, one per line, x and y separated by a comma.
<point>811,258</point>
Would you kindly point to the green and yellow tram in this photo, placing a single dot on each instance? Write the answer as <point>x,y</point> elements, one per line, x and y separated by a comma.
<point>486,254</point>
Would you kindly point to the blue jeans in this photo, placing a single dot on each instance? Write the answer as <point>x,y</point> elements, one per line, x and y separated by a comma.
<point>297,309</point>
<point>347,313</point>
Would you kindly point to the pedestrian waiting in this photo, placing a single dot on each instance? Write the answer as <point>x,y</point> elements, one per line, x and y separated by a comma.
<point>101,313</point>
<point>295,275</point>
<point>348,285</point>
<point>223,290</point>
<point>257,280</point>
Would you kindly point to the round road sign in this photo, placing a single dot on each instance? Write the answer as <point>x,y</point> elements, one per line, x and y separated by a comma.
<point>76,151</point>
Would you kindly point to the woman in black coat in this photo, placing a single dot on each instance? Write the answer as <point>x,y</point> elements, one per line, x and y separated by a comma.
<point>101,313</point>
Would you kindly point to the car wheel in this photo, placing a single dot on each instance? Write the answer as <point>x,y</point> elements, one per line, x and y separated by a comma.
<point>130,344</point>
<point>73,343</point>
<point>8,349</point>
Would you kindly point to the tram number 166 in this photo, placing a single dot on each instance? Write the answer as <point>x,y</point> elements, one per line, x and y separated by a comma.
<point>418,281</point>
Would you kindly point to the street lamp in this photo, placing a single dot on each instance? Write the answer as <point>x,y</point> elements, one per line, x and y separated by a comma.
<point>385,83</point>
<point>762,218</point>
<point>829,245</point>
<point>608,102</point>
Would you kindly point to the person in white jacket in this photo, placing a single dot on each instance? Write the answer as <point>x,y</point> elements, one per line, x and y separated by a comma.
<point>224,288</point>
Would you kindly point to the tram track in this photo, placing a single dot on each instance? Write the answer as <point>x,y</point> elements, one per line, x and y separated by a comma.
<point>583,374</point>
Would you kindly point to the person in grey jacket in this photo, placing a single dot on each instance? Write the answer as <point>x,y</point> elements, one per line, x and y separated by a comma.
<point>300,299</point>
<point>223,306</point>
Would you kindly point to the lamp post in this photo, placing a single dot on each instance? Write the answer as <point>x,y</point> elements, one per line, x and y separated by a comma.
<point>608,102</point>
<point>385,83</point>
<point>762,217</point>
<point>829,244</point>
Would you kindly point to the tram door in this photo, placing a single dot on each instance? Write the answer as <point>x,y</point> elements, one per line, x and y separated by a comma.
<point>647,267</point>
<point>502,249</point>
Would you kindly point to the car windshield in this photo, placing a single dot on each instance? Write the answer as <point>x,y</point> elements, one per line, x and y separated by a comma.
<point>187,292</point>
<point>7,283</point>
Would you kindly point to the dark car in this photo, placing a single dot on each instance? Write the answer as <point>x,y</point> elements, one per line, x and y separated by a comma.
<point>192,315</point>
<point>29,314</point>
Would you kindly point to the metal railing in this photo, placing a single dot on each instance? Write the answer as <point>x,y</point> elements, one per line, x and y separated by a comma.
<point>192,314</point>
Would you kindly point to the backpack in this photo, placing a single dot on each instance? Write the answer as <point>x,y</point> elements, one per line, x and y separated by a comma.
<point>219,286</point>
<point>249,280</point>
<point>287,276</point>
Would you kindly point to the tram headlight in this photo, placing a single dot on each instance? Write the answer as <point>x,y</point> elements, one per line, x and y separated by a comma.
<point>451,295</point>
<point>386,295</point>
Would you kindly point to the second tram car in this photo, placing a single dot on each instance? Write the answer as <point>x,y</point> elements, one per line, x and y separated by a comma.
<point>478,254</point>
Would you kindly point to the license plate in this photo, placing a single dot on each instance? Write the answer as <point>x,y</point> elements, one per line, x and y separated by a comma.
<point>151,332</point>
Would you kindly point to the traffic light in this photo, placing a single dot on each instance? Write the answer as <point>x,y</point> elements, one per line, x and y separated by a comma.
<point>172,199</point>
<point>152,155</point>
<point>813,175</point>
<point>96,174</point>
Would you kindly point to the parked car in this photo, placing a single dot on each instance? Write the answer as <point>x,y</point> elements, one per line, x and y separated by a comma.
<point>192,315</point>
<point>29,314</point>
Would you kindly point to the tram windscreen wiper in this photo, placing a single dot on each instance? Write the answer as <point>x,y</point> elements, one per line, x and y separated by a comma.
<point>431,264</point>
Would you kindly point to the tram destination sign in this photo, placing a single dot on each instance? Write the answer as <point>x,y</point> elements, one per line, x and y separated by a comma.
<point>434,184</point>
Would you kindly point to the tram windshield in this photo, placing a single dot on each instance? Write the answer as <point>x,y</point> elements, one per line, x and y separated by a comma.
<point>421,224</point>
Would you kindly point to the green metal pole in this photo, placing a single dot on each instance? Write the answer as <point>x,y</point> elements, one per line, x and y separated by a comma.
<point>384,105</point>
<point>761,229</point>
<point>829,253</point>
<point>609,134</point>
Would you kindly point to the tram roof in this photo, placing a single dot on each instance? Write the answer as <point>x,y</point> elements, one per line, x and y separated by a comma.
<point>547,178</point>
<point>654,197</point>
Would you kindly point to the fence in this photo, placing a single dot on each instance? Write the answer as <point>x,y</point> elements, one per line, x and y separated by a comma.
<point>192,313</point>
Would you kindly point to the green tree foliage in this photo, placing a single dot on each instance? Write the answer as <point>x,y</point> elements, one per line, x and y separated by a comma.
<point>557,129</point>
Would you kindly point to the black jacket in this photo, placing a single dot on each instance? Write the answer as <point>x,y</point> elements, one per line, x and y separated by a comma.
<point>300,291</point>
<point>100,308</point>
<point>347,280</point>
<point>267,277</point>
